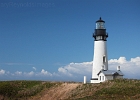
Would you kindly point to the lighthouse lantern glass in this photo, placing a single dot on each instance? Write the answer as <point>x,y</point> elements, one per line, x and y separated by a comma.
<point>100,25</point>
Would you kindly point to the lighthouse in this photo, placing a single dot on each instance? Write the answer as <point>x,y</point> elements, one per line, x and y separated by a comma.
<point>100,60</point>
<point>100,71</point>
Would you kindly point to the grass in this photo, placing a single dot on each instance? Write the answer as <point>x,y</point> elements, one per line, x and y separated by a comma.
<point>16,90</point>
<point>120,89</point>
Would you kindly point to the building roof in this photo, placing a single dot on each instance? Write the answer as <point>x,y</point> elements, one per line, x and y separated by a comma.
<point>111,72</point>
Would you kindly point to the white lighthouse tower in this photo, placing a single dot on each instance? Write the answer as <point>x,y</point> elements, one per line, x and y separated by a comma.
<point>100,72</point>
<point>100,60</point>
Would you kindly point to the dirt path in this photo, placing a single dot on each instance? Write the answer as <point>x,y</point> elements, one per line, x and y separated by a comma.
<point>58,93</point>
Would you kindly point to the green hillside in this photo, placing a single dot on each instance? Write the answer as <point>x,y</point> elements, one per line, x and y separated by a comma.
<point>120,89</point>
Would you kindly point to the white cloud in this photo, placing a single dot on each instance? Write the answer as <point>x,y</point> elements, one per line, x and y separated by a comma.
<point>2,72</point>
<point>121,60</point>
<point>129,68</point>
<point>43,72</point>
<point>64,71</point>
<point>18,73</point>
<point>136,60</point>
<point>29,73</point>
<point>76,71</point>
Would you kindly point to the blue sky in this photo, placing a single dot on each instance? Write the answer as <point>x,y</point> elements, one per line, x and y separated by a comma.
<point>43,36</point>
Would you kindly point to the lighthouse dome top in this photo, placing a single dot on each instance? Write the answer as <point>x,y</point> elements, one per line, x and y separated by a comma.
<point>100,20</point>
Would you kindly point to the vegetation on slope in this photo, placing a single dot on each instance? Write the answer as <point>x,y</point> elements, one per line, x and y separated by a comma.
<point>16,90</point>
<point>120,89</point>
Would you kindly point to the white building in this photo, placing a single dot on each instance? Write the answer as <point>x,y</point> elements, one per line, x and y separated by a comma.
<point>100,72</point>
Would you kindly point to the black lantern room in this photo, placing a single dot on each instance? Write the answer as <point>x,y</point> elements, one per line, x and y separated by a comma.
<point>100,31</point>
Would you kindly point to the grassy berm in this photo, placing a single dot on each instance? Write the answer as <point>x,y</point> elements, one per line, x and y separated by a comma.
<point>120,89</point>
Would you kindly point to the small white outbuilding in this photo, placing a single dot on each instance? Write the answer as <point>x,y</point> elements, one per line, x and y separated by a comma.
<point>109,75</point>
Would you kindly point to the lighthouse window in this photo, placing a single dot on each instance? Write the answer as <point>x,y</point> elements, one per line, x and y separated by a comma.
<point>100,25</point>
<point>104,59</point>
<point>99,37</point>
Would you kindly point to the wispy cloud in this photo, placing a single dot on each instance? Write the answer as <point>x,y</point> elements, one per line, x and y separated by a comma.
<point>11,63</point>
<point>34,68</point>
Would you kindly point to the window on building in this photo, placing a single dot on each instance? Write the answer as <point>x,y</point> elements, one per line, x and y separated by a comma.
<point>100,78</point>
<point>103,78</point>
